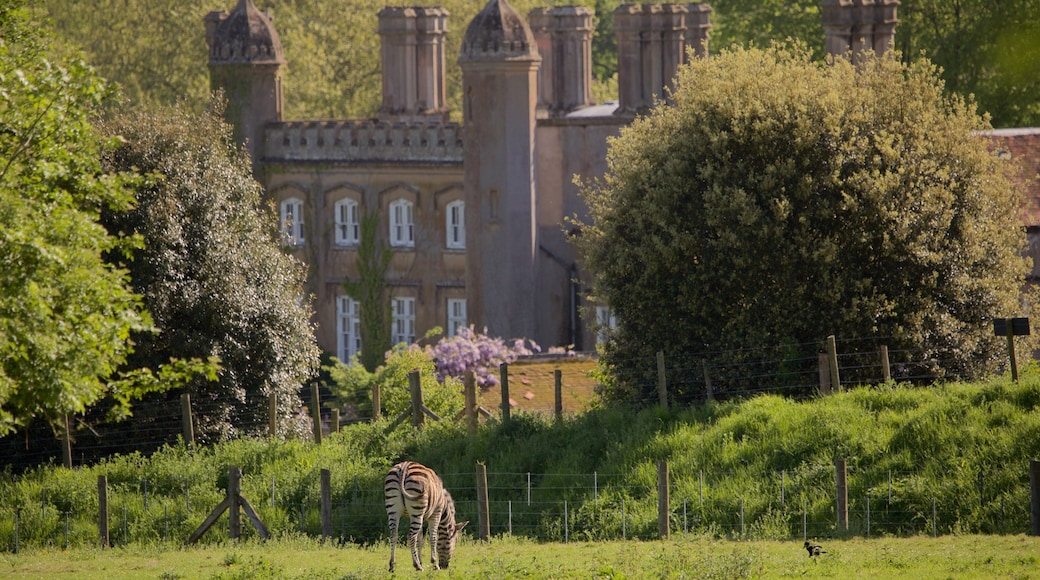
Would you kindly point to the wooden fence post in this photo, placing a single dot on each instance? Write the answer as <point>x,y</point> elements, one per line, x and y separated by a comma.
<point>415,386</point>
<point>886,369</point>
<point>377,409</point>
<point>663,513</point>
<point>832,357</point>
<point>102,491</point>
<point>662,381</point>
<point>1034,496</point>
<point>66,444</point>
<point>503,371</point>
<point>272,415</point>
<point>558,382</point>
<point>326,503</point>
<point>186,422</point>
<point>825,374</point>
<point>316,413</point>
<point>469,383</point>
<point>841,475</point>
<point>234,497</point>
<point>709,389</point>
<point>483,511</point>
<point>334,428</point>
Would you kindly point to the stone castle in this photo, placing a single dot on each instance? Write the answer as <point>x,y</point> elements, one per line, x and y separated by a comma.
<point>474,212</point>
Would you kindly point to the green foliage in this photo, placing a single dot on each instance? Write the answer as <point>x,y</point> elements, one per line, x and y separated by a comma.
<point>65,315</point>
<point>782,200</point>
<point>373,258</point>
<point>212,270</point>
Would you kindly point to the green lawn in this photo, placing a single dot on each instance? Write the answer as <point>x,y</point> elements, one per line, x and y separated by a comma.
<point>918,558</point>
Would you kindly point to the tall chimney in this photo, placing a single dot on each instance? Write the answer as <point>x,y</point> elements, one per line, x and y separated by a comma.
<point>412,51</point>
<point>564,38</point>
<point>857,26</point>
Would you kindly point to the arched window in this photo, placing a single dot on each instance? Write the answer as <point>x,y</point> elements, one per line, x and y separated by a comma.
<point>455,225</point>
<point>348,224</point>
<point>402,233</point>
<point>292,220</point>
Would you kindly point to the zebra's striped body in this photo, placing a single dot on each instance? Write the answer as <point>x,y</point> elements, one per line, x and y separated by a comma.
<point>416,491</point>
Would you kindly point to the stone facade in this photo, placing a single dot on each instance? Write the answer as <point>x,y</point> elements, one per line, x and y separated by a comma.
<point>474,211</point>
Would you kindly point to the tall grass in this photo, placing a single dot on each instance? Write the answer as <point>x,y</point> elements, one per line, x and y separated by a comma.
<point>961,450</point>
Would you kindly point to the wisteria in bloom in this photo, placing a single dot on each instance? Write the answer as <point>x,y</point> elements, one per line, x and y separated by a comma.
<point>477,352</point>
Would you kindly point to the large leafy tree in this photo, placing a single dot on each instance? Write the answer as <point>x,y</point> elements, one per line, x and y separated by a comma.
<point>212,271</point>
<point>65,314</point>
<point>782,200</point>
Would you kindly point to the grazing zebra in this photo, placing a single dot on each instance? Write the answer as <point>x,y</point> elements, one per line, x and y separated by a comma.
<point>415,491</point>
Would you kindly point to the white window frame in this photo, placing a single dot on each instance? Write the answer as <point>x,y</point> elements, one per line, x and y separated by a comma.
<point>402,226</point>
<point>348,328</point>
<point>348,222</point>
<point>291,212</point>
<point>456,315</point>
<point>455,225</point>
<point>605,322</point>
<point>404,320</point>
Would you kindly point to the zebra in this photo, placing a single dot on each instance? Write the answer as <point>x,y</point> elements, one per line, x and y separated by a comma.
<point>416,491</point>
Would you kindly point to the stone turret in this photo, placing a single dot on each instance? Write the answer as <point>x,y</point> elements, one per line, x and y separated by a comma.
<point>653,40</point>
<point>499,62</point>
<point>855,26</point>
<point>413,63</point>
<point>245,61</point>
<point>564,37</point>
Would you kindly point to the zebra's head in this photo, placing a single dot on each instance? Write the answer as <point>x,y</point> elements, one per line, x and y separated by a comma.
<point>448,533</point>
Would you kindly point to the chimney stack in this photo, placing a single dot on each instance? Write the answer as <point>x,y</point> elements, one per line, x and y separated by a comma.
<point>564,38</point>
<point>856,26</point>
<point>413,63</point>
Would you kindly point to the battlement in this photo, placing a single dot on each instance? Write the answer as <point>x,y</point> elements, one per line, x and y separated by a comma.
<point>363,141</point>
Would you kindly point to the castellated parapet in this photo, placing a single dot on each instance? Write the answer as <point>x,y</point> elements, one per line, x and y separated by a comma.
<point>363,141</point>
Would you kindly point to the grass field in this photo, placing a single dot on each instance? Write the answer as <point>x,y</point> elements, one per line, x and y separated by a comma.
<point>920,558</point>
<point>532,386</point>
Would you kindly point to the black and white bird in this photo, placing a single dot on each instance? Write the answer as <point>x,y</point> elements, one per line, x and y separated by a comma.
<point>814,549</point>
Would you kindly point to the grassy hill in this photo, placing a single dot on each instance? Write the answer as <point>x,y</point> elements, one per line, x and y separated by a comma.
<point>945,459</point>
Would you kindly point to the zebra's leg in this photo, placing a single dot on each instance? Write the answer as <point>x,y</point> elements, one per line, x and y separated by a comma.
<point>431,529</point>
<point>394,518</point>
<point>415,541</point>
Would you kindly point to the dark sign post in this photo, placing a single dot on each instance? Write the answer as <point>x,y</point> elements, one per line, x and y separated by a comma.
<point>1011,327</point>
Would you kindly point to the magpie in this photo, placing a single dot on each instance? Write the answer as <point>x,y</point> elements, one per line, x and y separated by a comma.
<point>814,549</point>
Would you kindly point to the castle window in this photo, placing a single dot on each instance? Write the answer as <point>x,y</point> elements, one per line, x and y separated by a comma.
<point>348,228</point>
<point>401,226</point>
<point>348,328</point>
<point>455,225</point>
<point>605,322</point>
<point>456,315</point>
<point>292,221</point>
<point>404,320</point>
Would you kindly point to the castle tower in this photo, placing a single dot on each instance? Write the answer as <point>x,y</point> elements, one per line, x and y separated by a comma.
<point>413,63</point>
<point>245,60</point>
<point>499,62</point>
<point>564,38</point>
<point>858,25</point>
<point>652,42</point>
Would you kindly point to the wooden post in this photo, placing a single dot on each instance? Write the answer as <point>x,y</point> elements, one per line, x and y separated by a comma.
<point>377,410</point>
<point>186,422</point>
<point>326,503</point>
<point>1011,350</point>
<point>66,444</point>
<point>663,513</point>
<point>1034,496</point>
<point>234,496</point>
<point>832,358</point>
<point>334,428</point>
<point>272,415</point>
<point>415,385</point>
<point>316,413</point>
<point>709,389</point>
<point>886,369</point>
<point>662,381</point>
<point>558,382</point>
<point>483,511</point>
<point>102,525</point>
<point>842,494</point>
<point>825,374</point>
<point>503,371</point>
<point>469,383</point>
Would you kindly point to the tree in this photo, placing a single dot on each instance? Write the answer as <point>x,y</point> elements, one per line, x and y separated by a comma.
<point>373,258</point>
<point>212,271</point>
<point>782,200</point>
<point>65,314</point>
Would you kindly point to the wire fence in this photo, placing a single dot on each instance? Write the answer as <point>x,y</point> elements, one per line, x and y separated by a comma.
<point>545,507</point>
